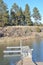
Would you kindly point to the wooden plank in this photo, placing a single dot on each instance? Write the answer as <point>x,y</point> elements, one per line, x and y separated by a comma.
<point>39,63</point>
<point>12,55</point>
<point>13,47</point>
<point>17,47</point>
<point>12,51</point>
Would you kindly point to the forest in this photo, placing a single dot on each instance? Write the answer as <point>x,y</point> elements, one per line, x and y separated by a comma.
<point>17,16</point>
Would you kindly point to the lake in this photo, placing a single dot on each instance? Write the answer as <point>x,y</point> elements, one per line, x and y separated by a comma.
<point>37,53</point>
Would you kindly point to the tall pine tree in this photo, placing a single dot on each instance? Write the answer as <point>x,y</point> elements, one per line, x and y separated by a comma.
<point>27,15</point>
<point>36,15</point>
<point>4,16</point>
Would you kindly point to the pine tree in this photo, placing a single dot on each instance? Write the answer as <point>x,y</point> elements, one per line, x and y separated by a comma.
<point>27,15</point>
<point>36,15</point>
<point>14,14</point>
<point>4,15</point>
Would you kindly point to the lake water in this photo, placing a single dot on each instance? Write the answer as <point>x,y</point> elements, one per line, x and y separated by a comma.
<point>37,54</point>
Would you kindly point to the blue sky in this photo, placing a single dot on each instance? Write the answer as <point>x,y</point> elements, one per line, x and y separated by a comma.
<point>22,3</point>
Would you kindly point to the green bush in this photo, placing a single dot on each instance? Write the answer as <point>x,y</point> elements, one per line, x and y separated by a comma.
<point>38,29</point>
<point>30,30</point>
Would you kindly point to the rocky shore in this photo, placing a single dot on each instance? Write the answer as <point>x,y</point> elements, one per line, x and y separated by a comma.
<point>21,31</point>
<point>13,34</point>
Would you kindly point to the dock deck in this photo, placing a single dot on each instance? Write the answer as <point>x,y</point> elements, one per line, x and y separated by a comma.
<point>26,61</point>
<point>39,63</point>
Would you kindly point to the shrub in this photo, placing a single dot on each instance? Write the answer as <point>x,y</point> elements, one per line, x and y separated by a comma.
<point>38,29</point>
<point>30,30</point>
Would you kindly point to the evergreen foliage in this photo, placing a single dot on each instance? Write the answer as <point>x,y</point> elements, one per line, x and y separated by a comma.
<point>17,15</point>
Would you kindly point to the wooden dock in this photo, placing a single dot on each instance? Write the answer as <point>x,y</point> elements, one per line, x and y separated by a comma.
<point>26,61</point>
<point>18,50</point>
<point>39,63</point>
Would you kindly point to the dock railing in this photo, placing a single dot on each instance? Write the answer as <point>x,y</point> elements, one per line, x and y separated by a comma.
<point>18,50</point>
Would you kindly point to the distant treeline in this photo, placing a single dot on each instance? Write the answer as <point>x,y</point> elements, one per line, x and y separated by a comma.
<point>17,16</point>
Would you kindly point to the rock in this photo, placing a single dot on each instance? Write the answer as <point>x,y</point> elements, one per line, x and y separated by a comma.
<point>1,34</point>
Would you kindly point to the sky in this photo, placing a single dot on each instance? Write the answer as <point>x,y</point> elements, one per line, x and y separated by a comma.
<point>22,3</point>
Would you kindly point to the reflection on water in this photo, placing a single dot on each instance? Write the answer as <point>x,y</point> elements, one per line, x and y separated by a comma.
<point>37,54</point>
<point>10,60</point>
<point>13,61</point>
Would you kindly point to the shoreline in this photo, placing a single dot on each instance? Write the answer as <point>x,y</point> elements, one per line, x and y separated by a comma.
<point>13,34</point>
<point>16,40</point>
